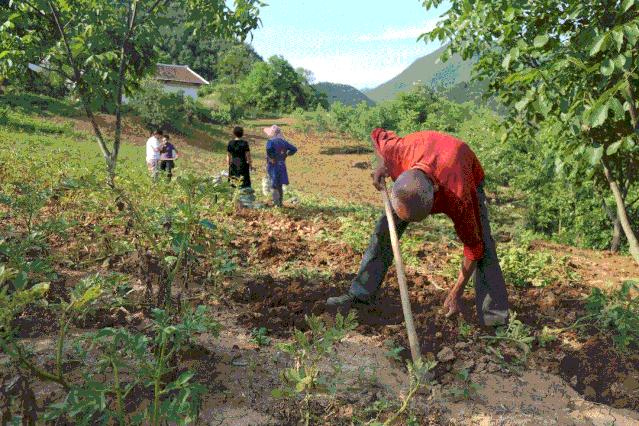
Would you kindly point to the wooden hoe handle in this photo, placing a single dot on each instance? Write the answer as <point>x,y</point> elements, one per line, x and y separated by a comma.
<point>401,277</point>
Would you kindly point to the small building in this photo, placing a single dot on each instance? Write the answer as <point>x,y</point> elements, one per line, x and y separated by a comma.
<point>176,78</point>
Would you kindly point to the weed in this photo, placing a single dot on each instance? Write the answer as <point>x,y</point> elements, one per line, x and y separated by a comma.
<point>259,337</point>
<point>467,388</point>
<point>393,350</point>
<point>418,373</point>
<point>523,267</point>
<point>465,329</point>
<point>515,338</point>
<point>305,378</point>
<point>548,335</point>
<point>617,312</point>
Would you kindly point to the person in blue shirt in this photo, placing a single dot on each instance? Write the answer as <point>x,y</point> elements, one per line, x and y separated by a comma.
<point>277,149</point>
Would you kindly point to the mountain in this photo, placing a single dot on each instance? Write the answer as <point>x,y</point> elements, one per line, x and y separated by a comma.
<point>450,75</point>
<point>348,95</point>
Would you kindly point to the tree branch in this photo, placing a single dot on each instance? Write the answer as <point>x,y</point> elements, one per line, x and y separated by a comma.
<point>28,3</point>
<point>150,11</point>
<point>78,81</point>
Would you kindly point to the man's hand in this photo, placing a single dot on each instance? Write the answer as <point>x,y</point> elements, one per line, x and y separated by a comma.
<point>453,302</point>
<point>379,176</point>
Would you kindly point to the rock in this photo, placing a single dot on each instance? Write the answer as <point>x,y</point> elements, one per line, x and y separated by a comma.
<point>461,345</point>
<point>446,354</point>
<point>461,365</point>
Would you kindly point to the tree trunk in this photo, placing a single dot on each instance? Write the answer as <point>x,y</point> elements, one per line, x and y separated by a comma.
<point>622,214</point>
<point>615,243</point>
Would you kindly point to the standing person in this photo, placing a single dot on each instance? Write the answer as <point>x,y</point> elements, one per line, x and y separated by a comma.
<point>433,173</point>
<point>277,149</point>
<point>168,155</point>
<point>153,152</point>
<point>238,158</point>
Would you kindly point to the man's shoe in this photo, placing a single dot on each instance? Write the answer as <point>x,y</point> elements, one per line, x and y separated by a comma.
<point>344,303</point>
<point>345,300</point>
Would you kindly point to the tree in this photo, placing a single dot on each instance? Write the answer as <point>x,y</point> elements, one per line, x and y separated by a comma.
<point>206,54</point>
<point>573,61</point>
<point>105,47</point>
<point>276,86</point>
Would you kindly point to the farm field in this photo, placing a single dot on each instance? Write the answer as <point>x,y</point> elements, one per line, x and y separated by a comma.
<point>241,281</point>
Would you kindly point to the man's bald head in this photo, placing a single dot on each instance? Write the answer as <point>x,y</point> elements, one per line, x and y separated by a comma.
<point>412,196</point>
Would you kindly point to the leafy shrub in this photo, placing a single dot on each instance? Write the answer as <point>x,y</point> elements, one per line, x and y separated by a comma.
<point>159,109</point>
<point>523,267</point>
<point>617,312</point>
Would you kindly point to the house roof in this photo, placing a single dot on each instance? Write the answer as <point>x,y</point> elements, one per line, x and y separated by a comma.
<point>178,73</point>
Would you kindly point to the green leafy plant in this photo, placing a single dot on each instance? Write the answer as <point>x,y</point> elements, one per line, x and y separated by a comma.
<point>617,312</point>
<point>524,267</point>
<point>516,338</point>
<point>82,296</point>
<point>129,360</point>
<point>548,335</point>
<point>26,202</point>
<point>418,374</point>
<point>465,329</point>
<point>305,378</point>
<point>466,388</point>
<point>393,350</point>
<point>259,336</point>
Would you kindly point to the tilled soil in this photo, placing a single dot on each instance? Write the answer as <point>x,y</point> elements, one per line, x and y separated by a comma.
<point>592,366</point>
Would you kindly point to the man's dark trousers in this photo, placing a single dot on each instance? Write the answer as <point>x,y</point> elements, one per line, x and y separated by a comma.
<point>491,298</point>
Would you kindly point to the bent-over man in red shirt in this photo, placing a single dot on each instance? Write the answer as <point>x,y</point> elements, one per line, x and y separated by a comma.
<point>433,173</point>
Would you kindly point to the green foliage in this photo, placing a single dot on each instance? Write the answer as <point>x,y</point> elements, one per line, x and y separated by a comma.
<point>515,340</point>
<point>570,68</point>
<point>214,58</point>
<point>523,267</point>
<point>617,313</point>
<point>465,329</point>
<point>466,388</point>
<point>393,350</point>
<point>275,86</point>
<point>305,378</point>
<point>129,360</point>
<point>547,336</point>
<point>158,109</point>
<point>259,336</point>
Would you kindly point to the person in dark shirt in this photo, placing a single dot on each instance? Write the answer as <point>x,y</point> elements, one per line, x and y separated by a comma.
<point>168,155</point>
<point>239,158</point>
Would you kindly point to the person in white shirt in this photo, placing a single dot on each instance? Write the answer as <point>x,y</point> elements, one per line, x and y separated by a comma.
<point>153,152</point>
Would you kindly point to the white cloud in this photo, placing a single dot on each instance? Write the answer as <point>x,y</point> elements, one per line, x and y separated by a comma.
<point>357,69</point>
<point>405,33</point>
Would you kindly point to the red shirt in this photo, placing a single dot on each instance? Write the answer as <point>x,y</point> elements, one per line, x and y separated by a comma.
<point>453,166</point>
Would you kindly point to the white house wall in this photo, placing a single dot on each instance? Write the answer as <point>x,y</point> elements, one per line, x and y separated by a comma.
<point>189,91</point>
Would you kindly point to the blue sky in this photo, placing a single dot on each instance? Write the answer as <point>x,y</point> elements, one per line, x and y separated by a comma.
<point>358,42</point>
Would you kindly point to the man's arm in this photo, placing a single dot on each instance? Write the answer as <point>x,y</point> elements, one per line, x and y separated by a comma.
<point>453,300</point>
<point>380,173</point>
